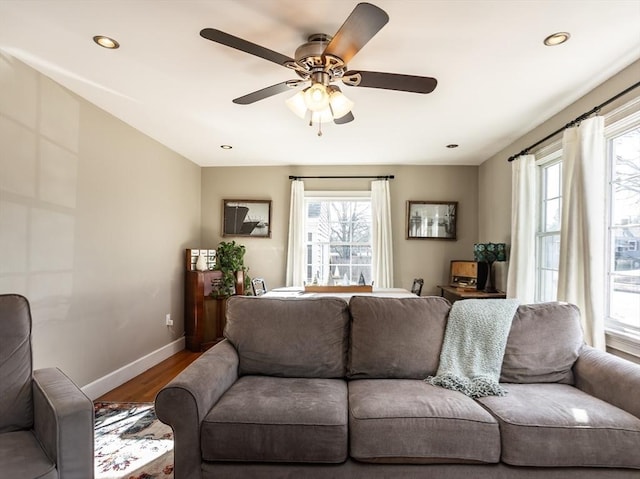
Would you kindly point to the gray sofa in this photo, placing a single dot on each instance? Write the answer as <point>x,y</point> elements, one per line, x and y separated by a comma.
<point>322,388</point>
<point>46,421</point>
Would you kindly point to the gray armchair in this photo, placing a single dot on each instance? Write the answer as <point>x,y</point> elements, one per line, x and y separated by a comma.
<point>46,421</point>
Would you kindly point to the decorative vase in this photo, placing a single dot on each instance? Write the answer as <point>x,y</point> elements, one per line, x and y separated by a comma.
<point>201,264</point>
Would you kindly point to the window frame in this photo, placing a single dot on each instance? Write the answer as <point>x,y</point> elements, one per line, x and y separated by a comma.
<point>548,157</point>
<point>310,196</point>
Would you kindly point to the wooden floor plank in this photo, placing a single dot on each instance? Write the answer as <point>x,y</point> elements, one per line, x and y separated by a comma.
<point>143,388</point>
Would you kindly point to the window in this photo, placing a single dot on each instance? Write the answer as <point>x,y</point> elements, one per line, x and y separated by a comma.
<point>338,232</point>
<point>623,275</point>
<point>548,231</point>
<point>622,292</point>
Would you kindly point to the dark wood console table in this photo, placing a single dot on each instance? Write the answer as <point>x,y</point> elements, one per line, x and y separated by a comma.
<point>454,294</point>
<point>204,316</point>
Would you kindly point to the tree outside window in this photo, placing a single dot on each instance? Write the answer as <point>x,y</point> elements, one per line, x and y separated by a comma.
<point>338,235</point>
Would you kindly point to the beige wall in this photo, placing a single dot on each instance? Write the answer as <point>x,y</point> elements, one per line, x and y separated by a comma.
<point>494,186</point>
<point>93,217</point>
<point>428,259</point>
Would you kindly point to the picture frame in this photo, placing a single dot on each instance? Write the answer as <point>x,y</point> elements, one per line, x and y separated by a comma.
<point>248,218</point>
<point>432,219</point>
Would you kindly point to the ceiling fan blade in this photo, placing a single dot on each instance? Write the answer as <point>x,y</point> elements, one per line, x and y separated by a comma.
<point>345,119</point>
<point>390,81</point>
<point>267,92</point>
<point>362,24</point>
<point>244,45</point>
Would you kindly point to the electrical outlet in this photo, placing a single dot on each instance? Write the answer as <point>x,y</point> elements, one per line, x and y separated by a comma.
<point>168,320</point>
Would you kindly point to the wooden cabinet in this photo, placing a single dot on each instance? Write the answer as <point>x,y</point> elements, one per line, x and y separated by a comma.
<point>204,316</point>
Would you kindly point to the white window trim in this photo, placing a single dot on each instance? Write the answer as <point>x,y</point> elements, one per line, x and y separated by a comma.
<point>623,342</point>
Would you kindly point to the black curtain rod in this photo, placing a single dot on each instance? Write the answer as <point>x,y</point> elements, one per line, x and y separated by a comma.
<point>582,117</point>
<point>386,177</point>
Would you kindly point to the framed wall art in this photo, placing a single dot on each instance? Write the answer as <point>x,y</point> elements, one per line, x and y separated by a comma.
<point>247,218</point>
<point>431,219</point>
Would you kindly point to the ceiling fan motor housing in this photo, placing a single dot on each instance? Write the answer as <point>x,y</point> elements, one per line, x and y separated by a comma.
<point>310,57</point>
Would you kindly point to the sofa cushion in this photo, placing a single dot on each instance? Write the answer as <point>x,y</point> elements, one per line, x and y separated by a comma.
<point>396,337</point>
<point>554,425</point>
<point>301,337</point>
<point>21,456</point>
<point>410,421</point>
<point>543,344</point>
<point>275,419</point>
<point>16,403</point>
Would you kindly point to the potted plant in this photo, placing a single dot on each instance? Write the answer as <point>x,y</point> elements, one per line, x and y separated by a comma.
<point>230,261</point>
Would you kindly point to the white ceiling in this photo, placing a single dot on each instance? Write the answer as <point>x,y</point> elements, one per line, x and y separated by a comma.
<point>496,79</point>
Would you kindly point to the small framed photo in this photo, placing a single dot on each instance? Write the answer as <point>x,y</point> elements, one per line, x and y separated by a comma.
<point>246,218</point>
<point>431,220</point>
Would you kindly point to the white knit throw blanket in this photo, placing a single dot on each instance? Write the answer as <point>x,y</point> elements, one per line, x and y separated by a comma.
<point>473,348</point>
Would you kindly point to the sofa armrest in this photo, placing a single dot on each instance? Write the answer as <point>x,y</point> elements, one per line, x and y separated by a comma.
<point>185,401</point>
<point>610,378</point>
<point>63,423</point>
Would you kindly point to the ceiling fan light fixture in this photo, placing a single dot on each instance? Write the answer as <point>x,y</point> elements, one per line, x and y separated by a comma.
<point>297,104</point>
<point>316,97</point>
<point>340,104</point>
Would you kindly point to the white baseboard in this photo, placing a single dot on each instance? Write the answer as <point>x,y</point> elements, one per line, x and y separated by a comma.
<point>120,376</point>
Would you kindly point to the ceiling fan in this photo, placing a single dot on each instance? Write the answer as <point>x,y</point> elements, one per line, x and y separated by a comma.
<point>321,62</point>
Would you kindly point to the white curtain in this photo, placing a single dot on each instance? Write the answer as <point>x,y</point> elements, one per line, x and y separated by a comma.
<point>521,279</point>
<point>581,275</point>
<point>381,241</point>
<point>296,251</point>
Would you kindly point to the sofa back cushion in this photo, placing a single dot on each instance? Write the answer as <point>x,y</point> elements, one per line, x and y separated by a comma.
<point>16,403</point>
<point>289,337</point>
<point>543,344</point>
<point>396,337</point>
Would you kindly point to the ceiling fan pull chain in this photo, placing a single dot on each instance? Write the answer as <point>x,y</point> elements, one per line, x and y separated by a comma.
<point>319,128</point>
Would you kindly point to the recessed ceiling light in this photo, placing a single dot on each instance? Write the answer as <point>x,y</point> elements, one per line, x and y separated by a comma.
<point>106,42</point>
<point>556,39</point>
<point>452,145</point>
<point>226,147</point>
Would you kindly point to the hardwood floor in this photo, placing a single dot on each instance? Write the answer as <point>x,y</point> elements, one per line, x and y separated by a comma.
<point>143,388</point>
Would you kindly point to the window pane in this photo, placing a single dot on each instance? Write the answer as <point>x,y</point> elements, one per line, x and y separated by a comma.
<point>624,227</point>
<point>552,215</point>
<point>362,232</point>
<point>340,232</point>
<point>548,285</point>
<point>340,254</point>
<point>625,299</point>
<point>626,201</point>
<point>552,180</point>
<point>550,252</point>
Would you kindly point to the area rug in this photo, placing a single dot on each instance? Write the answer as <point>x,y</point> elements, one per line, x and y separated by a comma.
<point>131,443</point>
